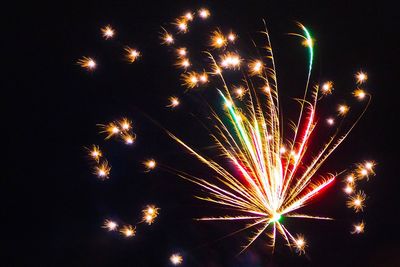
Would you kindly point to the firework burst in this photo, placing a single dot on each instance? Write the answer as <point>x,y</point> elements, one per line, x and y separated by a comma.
<point>278,173</point>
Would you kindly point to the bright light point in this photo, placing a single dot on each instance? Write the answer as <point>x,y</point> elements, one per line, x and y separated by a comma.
<point>167,38</point>
<point>350,178</point>
<point>115,130</point>
<point>282,150</point>
<point>343,109</point>
<point>267,89</point>
<point>184,63</point>
<point>361,77</point>
<point>232,37</point>
<point>358,228</point>
<point>255,67</point>
<point>190,79</point>
<point>269,137</point>
<point>95,153</point>
<point>330,121</point>
<point>369,165</point>
<point>108,32</point>
<point>360,94</point>
<point>110,225</point>
<point>204,13</point>
<point>276,217</point>
<point>357,202</point>
<point>203,78</point>
<point>300,244</point>
<point>189,16</point>
<point>103,170</point>
<point>348,189</point>
<point>173,102</point>
<point>132,54</point>
<point>128,139</point>
<point>128,231</point>
<point>363,172</point>
<point>181,52</point>
<point>327,88</point>
<point>217,39</point>
<point>149,214</point>
<point>176,259</point>
<point>87,63</point>
<point>150,164</point>
<point>230,61</point>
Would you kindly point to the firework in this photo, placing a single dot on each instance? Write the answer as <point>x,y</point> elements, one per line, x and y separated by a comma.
<point>131,54</point>
<point>103,170</point>
<point>277,176</point>
<point>87,63</point>
<point>204,13</point>
<point>150,164</point>
<point>149,214</point>
<point>358,228</point>
<point>176,259</point>
<point>128,231</point>
<point>110,225</point>
<point>173,102</point>
<point>108,32</point>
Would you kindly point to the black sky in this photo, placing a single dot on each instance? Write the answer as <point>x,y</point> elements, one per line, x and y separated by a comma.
<point>53,207</point>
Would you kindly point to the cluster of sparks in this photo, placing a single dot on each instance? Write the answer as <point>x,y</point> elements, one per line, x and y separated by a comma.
<point>149,214</point>
<point>278,173</point>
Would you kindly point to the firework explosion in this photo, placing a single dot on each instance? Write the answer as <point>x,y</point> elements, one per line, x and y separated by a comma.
<point>276,172</point>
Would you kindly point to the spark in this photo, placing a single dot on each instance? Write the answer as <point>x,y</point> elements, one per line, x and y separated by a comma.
<point>230,61</point>
<point>183,63</point>
<point>240,92</point>
<point>95,153</point>
<point>149,214</point>
<point>167,38</point>
<point>343,109</point>
<point>108,32</point>
<point>300,244</point>
<point>128,138</point>
<point>189,16</point>
<point>349,189</point>
<point>131,54</point>
<point>128,231</point>
<point>103,170</point>
<point>369,165</point>
<point>190,79</point>
<point>357,201</point>
<point>350,178</point>
<point>125,124</point>
<point>176,259</point>
<point>203,77</point>
<point>110,129</point>
<point>358,228</point>
<point>330,121</point>
<point>361,77</point>
<point>182,52</point>
<point>173,102</point>
<point>232,37</point>
<point>360,94</point>
<point>87,63</point>
<point>327,88</point>
<point>182,25</point>
<point>255,67</point>
<point>204,13</point>
<point>110,225</point>
<point>150,164</point>
<point>218,40</point>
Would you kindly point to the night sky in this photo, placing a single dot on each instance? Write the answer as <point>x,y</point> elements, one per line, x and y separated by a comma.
<point>53,206</point>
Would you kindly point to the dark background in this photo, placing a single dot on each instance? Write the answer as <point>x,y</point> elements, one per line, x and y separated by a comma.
<point>52,206</point>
